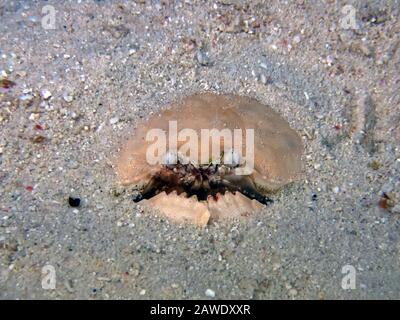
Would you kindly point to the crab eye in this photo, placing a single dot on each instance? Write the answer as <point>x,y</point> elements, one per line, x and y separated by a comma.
<point>232,158</point>
<point>170,158</point>
<point>182,159</point>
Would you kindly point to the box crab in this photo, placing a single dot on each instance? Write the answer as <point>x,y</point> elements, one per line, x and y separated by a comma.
<point>188,192</point>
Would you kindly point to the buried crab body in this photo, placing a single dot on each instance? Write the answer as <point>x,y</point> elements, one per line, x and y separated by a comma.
<point>186,191</point>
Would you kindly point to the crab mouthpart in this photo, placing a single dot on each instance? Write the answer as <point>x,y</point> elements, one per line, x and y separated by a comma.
<point>186,193</point>
<point>203,182</point>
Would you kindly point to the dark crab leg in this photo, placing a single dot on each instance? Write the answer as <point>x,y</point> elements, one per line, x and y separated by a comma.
<point>247,188</point>
<point>201,184</point>
<point>137,196</point>
<point>148,191</point>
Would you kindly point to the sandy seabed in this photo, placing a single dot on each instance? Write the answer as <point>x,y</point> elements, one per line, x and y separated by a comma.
<point>81,87</point>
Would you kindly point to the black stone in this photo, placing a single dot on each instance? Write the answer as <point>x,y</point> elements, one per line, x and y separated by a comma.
<point>74,202</point>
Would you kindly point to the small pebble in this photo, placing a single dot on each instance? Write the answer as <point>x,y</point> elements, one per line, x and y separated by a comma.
<point>293,292</point>
<point>74,202</point>
<point>330,60</point>
<point>72,164</point>
<point>6,84</point>
<point>142,292</point>
<point>114,120</point>
<point>38,138</point>
<point>46,94</point>
<point>34,116</point>
<point>68,98</point>
<point>210,293</point>
<point>374,165</point>
<point>26,97</point>
<point>263,79</point>
<point>296,38</point>
<point>105,279</point>
<point>74,115</point>
<point>202,58</point>
<point>336,189</point>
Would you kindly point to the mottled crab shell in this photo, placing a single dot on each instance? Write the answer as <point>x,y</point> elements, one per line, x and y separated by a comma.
<point>278,148</point>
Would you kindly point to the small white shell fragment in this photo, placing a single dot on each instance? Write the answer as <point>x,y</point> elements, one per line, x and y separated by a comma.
<point>114,120</point>
<point>46,94</point>
<point>68,97</point>
<point>296,38</point>
<point>26,97</point>
<point>210,293</point>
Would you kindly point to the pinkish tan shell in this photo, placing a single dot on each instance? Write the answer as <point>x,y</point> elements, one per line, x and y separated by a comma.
<point>278,148</point>
<point>277,159</point>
